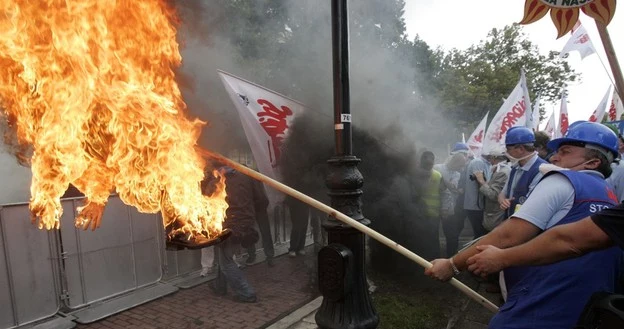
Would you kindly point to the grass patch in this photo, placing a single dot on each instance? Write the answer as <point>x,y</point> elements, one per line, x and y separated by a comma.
<point>407,312</point>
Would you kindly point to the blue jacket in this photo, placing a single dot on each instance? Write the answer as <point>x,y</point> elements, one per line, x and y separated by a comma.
<point>521,190</point>
<point>553,296</point>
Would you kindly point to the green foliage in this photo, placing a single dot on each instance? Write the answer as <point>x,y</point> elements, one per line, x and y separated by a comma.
<point>287,45</point>
<point>476,80</point>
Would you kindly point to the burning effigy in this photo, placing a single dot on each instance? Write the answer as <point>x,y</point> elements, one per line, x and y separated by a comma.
<point>89,95</point>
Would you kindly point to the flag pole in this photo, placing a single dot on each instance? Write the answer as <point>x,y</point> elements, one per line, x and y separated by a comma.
<point>347,220</point>
<point>613,61</point>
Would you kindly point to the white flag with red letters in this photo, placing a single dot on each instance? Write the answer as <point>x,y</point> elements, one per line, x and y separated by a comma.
<point>579,41</point>
<point>475,141</point>
<point>616,108</point>
<point>599,112</point>
<point>265,116</point>
<point>563,117</point>
<point>511,113</point>
<point>551,126</point>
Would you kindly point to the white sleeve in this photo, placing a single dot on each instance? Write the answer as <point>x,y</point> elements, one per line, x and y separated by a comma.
<point>551,199</point>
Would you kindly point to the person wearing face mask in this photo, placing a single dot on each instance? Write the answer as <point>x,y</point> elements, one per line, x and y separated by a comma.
<point>554,296</point>
<point>524,175</point>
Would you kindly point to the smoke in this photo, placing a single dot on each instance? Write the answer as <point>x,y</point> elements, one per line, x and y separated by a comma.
<point>393,121</point>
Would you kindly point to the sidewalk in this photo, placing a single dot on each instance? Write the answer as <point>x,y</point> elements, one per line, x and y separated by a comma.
<point>281,290</point>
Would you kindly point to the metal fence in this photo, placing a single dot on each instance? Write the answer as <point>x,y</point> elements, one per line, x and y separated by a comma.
<point>45,272</point>
<point>122,255</point>
<point>29,280</point>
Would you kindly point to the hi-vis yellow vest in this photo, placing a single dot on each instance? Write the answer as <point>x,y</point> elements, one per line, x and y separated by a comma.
<point>431,195</point>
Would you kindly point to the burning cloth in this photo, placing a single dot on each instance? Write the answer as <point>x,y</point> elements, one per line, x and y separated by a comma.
<point>89,94</point>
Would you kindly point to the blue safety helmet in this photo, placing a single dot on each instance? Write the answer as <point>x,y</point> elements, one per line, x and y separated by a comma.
<point>590,133</point>
<point>519,135</point>
<point>460,147</point>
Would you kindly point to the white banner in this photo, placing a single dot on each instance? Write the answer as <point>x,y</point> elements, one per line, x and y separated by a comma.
<point>599,112</point>
<point>511,114</point>
<point>536,113</point>
<point>579,41</point>
<point>616,108</point>
<point>475,141</point>
<point>265,116</point>
<point>551,126</point>
<point>563,117</point>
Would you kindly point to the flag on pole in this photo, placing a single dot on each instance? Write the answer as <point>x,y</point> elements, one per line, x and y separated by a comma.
<point>536,113</point>
<point>528,113</point>
<point>265,116</point>
<point>616,108</point>
<point>579,41</point>
<point>511,113</point>
<point>599,112</point>
<point>475,141</point>
<point>551,126</point>
<point>563,116</point>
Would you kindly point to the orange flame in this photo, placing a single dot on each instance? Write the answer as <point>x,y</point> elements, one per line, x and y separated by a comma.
<point>89,86</point>
<point>600,10</point>
<point>565,15</point>
<point>564,19</point>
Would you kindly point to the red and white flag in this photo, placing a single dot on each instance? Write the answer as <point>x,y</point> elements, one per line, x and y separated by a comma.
<point>511,113</point>
<point>475,141</point>
<point>551,126</point>
<point>599,112</point>
<point>616,108</point>
<point>563,117</point>
<point>579,41</point>
<point>265,116</point>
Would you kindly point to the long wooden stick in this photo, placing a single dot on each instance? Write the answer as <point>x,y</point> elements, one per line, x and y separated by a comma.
<point>347,220</point>
<point>613,61</point>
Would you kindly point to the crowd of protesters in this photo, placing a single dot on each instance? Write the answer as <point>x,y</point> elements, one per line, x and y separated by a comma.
<point>514,198</point>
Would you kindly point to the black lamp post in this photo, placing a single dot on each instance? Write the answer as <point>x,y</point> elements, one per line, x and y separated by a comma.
<point>342,272</point>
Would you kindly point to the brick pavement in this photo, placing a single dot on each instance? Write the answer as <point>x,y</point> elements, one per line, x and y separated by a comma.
<point>281,289</point>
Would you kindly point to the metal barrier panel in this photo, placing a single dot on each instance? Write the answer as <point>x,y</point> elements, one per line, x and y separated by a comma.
<point>182,262</point>
<point>29,284</point>
<point>120,256</point>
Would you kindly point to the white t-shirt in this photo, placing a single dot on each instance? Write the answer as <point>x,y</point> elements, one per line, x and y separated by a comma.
<point>551,200</point>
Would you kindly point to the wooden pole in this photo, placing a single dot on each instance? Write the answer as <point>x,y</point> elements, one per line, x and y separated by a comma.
<point>613,61</point>
<point>347,220</point>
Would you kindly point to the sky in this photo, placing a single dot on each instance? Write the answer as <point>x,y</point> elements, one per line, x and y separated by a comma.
<point>459,24</point>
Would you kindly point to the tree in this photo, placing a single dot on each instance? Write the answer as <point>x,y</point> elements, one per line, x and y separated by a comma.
<point>476,80</point>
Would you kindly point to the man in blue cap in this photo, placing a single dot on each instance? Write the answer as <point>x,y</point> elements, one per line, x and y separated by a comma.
<point>554,296</point>
<point>524,175</point>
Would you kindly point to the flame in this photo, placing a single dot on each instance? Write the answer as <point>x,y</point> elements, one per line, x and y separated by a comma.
<point>565,14</point>
<point>89,88</point>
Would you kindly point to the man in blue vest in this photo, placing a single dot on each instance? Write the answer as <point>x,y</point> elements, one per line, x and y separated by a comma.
<point>553,296</point>
<point>519,144</point>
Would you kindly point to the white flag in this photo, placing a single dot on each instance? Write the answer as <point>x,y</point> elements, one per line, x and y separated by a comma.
<point>579,41</point>
<point>599,112</point>
<point>551,126</point>
<point>475,141</point>
<point>528,113</point>
<point>536,113</point>
<point>265,116</point>
<point>563,117</point>
<point>616,108</point>
<point>511,114</point>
